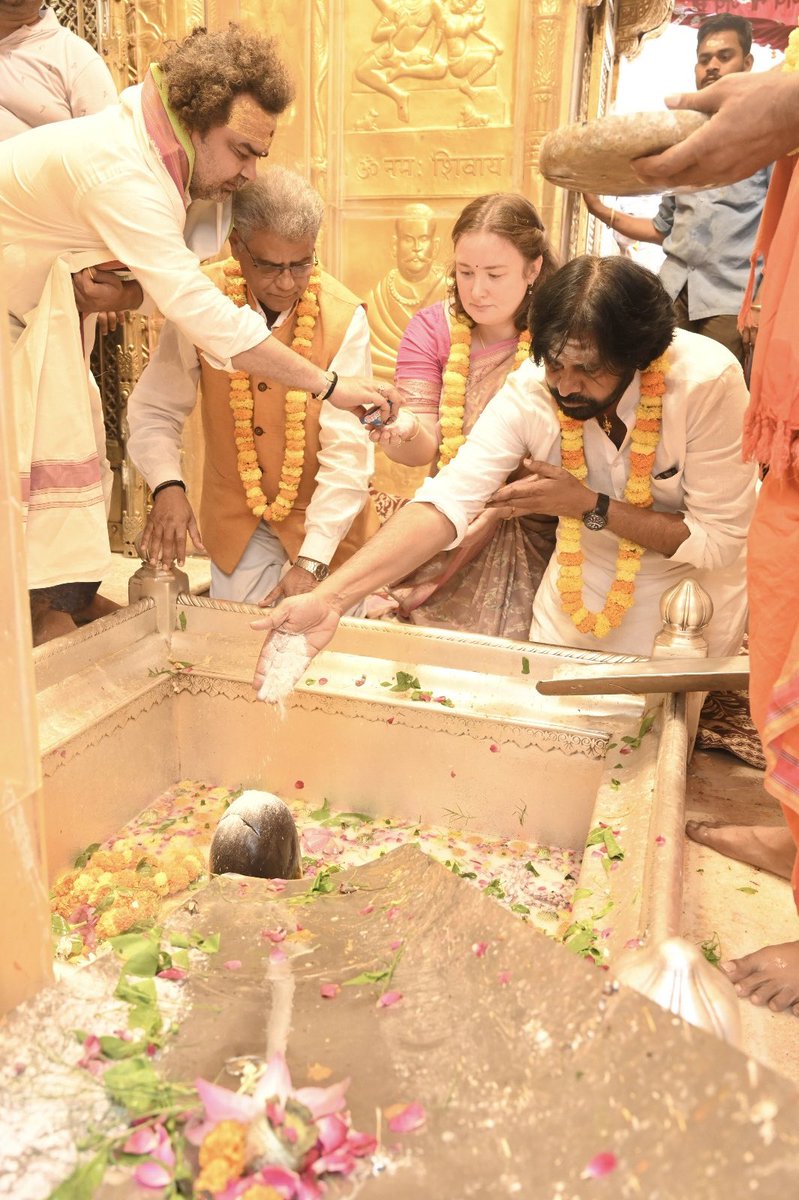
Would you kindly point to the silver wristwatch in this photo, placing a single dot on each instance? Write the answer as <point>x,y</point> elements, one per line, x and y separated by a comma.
<point>319,570</point>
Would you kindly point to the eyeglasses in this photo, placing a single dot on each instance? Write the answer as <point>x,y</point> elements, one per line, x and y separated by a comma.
<point>270,271</point>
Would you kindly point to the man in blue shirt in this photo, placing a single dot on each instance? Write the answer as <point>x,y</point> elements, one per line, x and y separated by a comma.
<point>707,237</point>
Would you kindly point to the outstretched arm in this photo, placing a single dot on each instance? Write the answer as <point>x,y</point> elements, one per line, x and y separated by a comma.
<point>637,229</point>
<point>754,121</point>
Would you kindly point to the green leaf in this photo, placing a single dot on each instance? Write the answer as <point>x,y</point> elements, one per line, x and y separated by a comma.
<point>495,888</point>
<point>528,866</point>
<point>368,977</point>
<point>85,1180</point>
<point>601,835</point>
<point>179,939</point>
<point>139,952</point>
<point>323,884</point>
<point>525,666</point>
<point>321,814</point>
<point>519,908</point>
<point>603,912</point>
<point>59,926</point>
<point>712,950</point>
<point>405,682</point>
<point>182,622</point>
<point>750,891</point>
<point>114,1047</point>
<point>581,938</point>
<point>86,854</point>
<point>209,944</point>
<point>582,894</point>
<point>134,1084</point>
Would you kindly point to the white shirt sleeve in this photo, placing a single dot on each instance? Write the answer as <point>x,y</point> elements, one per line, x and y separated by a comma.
<point>346,456</point>
<point>160,405</point>
<point>518,421</point>
<point>719,487</point>
<point>136,221</point>
<point>92,88</point>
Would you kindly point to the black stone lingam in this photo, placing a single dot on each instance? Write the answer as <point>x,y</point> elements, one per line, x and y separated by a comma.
<point>257,836</point>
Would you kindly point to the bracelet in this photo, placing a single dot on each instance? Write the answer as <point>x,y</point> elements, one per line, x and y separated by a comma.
<point>612,218</point>
<point>755,307</point>
<point>168,483</point>
<point>331,387</point>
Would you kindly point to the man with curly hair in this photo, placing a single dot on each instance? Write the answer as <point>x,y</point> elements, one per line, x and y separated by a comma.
<point>128,202</point>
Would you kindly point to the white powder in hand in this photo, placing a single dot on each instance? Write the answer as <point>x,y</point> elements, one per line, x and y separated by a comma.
<point>286,660</point>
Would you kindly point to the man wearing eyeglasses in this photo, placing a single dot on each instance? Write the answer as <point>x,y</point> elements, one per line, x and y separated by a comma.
<point>266,537</point>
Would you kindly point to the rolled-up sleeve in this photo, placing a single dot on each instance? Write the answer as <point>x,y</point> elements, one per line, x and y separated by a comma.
<point>518,421</point>
<point>159,406</point>
<point>719,488</point>
<point>138,224</point>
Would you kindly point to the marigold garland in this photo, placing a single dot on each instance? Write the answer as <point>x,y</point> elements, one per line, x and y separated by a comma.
<point>645,439</point>
<point>296,403</point>
<point>456,379</point>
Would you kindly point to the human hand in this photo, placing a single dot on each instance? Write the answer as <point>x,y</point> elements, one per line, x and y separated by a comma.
<point>546,489</point>
<point>749,330</point>
<point>99,291</point>
<point>595,206</point>
<point>310,616</point>
<point>164,537</point>
<point>403,429</point>
<point>754,122</point>
<point>296,582</point>
<point>375,404</point>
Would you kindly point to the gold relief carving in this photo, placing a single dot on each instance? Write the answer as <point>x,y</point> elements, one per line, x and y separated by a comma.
<point>423,54</point>
<point>545,63</point>
<point>435,163</point>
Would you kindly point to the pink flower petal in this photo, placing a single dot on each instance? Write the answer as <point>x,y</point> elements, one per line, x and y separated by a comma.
<point>273,935</point>
<point>329,991</point>
<point>395,945</point>
<point>494,748</point>
<point>411,1117</point>
<point>479,949</point>
<point>323,1101</point>
<point>152,1175</point>
<point>340,1161</point>
<point>322,681</point>
<point>315,841</point>
<point>278,955</point>
<point>504,977</point>
<point>221,1104</point>
<point>275,1082</point>
<point>600,1165</point>
<point>332,1132</point>
<point>389,998</point>
<point>361,1143</point>
<point>299,785</point>
<point>392,913</point>
<point>660,840</point>
<point>142,1141</point>
<point>173,973</point>
<point>364,912</point>
<point>233,964</point>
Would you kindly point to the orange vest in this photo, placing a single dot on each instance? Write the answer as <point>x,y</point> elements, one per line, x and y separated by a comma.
<point>226,521</point>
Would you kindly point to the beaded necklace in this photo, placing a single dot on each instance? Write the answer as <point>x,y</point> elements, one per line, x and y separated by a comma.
<point>296,403</point>
<point>645,439</point>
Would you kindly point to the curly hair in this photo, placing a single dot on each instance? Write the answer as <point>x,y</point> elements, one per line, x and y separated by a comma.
<point>613,304</point>
<point>516,220</point>
<point>207,71</point>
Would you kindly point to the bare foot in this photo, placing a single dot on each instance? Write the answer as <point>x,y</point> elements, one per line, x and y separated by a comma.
<point>768,977</point>
<point>100,606</point>
<point>769,847</point>
<point>49,623</point>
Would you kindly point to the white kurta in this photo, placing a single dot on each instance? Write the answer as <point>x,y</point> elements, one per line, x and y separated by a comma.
<point>73,195</point>
<point>166,394</point>
<point>698,471</point>
<point>48,73</point>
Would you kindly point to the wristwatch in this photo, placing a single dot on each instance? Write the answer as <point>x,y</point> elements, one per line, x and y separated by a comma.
<point>319,570</point>
<point>597,517</point>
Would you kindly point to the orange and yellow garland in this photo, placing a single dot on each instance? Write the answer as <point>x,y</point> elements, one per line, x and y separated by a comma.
<point>455,380</point>
<point>242,404</point>
<point>645,438</point>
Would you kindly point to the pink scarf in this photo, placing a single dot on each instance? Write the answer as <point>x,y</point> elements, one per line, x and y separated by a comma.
<point>166,132</point>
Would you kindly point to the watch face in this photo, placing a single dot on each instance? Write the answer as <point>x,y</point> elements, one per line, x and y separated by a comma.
<point>594,520</point>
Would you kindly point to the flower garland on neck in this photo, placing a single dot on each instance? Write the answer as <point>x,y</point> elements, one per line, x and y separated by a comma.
<point>645,439</point>
<point>456,378</point>
<point>296,403</point>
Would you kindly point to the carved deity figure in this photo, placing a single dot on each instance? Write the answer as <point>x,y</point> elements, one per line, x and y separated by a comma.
<point>407,40</point>
<point>462,23</point>
<point>416,281</point>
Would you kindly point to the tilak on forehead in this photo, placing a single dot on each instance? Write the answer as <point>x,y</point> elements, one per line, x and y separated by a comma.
<point>252,124</point>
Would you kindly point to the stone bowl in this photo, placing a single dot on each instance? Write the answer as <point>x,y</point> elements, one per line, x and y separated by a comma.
<point>596,156</point>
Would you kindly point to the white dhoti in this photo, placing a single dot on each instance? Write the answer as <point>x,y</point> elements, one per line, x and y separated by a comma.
<point>64,476</point>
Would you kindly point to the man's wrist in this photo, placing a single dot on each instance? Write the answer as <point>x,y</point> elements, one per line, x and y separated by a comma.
<point>168,483</point>
<point>314,566</point>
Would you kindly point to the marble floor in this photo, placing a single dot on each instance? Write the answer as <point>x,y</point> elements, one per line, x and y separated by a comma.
<point>744,907</point>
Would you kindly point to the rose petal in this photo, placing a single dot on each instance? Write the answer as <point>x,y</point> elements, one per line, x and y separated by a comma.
<point>221,1104</point>
<point>233,964</point>
<point>152,1175</point>
<point>494,748</point>
<point>332,1132</point>
<point>142,1141</point>
<point>329,991</point>
<point>361,1143</point>
<point>504,977</point>
<point>173,973</point>
<point>389,998</point>
<point>364,912</point>
<point>395,945</point>
<point>278,955</point>
<point>660,840</point>
<point>409,1118</point>
<point>299,785</point>
<point>601,1164</point>
<point>273,935</point>
<point>479,949</point>
<point>323,1101</point>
